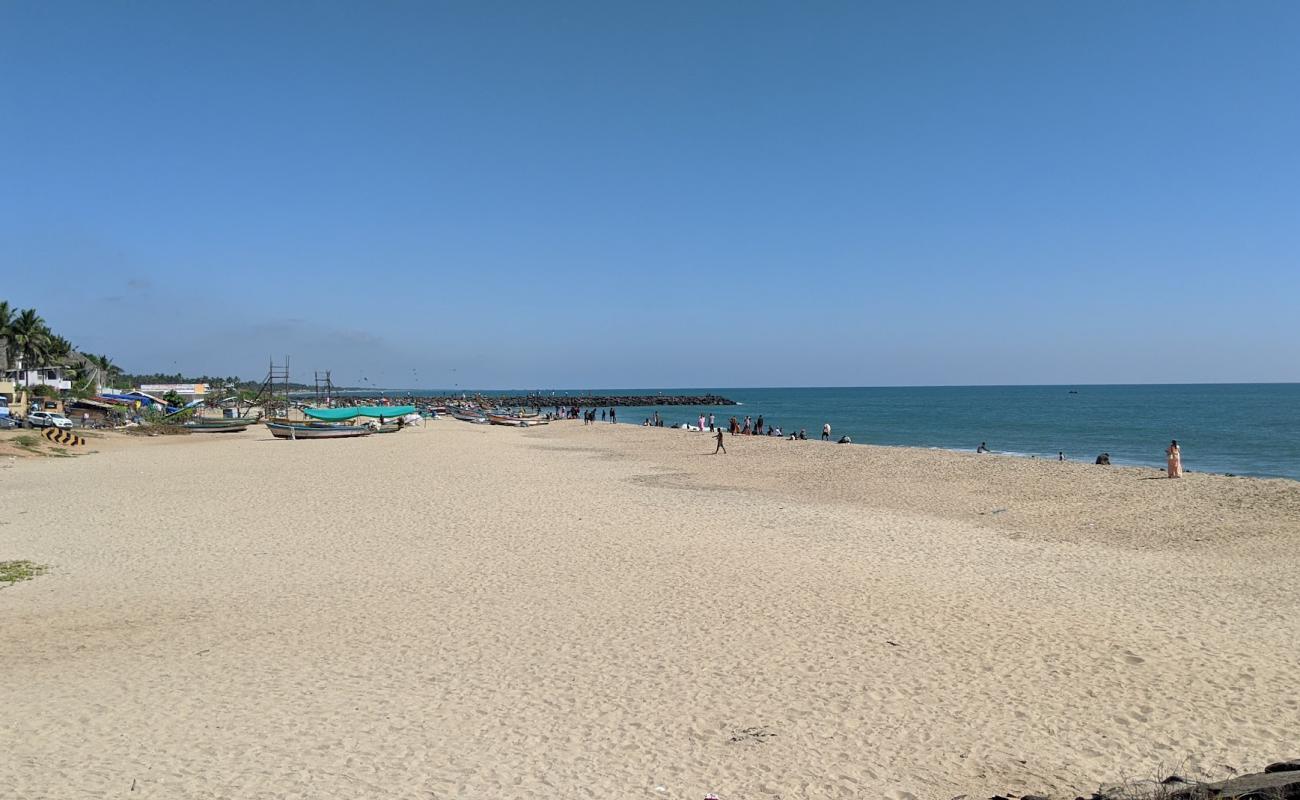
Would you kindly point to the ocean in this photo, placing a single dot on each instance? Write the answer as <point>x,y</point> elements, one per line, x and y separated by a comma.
<point>1242,429</point>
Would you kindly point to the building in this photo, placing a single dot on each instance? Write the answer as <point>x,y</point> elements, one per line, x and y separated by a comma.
<point>58,378</point>
<point>191,390</point>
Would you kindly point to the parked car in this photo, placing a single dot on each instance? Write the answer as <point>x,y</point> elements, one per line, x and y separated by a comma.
<point>44,419</point>
<point>7,422</point>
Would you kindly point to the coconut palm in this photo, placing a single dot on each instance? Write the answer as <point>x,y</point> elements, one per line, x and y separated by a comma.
<point>102,368</point>
<point>60,349</point>
<point>29,339</point>
<point>6,323</point>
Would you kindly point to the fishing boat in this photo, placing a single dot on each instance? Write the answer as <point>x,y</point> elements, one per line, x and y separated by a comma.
<point>218,425</point>
<point>299,430</point>
<point>468,415</point>
<point>514,420</point>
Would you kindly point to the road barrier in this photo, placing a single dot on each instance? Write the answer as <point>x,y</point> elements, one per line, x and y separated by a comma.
<point>61,436</point>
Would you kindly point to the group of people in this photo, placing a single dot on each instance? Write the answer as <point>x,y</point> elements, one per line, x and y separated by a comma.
<point>1173,458</point>
<point>589,416</point>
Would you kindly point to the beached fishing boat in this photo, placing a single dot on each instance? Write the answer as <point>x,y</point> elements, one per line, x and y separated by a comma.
<point>515,421</point>
<point>298,430</point>
<point>469,415</point>
<point>218,425</point>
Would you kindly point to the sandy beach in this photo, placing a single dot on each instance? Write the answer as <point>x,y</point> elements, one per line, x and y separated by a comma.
<point>609,611</point>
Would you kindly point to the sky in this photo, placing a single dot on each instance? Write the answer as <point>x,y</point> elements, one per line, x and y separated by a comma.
<point>669,194</point>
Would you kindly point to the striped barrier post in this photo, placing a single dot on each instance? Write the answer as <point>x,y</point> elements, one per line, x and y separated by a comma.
<point>64,437</point>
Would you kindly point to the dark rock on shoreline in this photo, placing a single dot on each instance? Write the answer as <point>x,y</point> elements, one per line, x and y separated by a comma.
<point>1256,786</point>
<point>1279,781</point>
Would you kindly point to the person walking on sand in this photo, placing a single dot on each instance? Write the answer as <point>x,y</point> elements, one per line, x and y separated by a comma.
<point>720,446</point>
<point>1174,455</point>
<point>826,432</point>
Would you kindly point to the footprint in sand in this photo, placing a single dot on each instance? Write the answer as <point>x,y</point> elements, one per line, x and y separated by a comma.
<point>1129,657</point>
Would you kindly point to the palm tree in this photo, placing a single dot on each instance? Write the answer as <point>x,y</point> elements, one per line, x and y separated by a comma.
<point>103,368</point>
<point>61,350</point>
<point>29,339</point>
<point>6,324</point>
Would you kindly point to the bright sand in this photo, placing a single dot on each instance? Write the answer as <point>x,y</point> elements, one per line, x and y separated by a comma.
<point>570,611</point>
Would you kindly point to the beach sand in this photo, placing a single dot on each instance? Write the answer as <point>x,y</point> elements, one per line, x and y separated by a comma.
<point>608,611</point>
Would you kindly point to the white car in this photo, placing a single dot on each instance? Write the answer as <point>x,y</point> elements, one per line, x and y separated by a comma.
<point>44,419</point>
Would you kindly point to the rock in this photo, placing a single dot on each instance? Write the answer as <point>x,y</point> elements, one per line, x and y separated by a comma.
<point>1292,765</point>
<point>1174,779</point>
<point>1033,797</point>
<point>1257,786</point>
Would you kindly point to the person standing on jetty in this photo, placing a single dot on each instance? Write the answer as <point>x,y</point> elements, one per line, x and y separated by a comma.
<point>1174,457</point>
<point>826,432</point>
<point>720,446</point>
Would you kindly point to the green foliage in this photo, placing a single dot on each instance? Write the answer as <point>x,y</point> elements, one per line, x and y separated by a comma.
<point>27,338</point>
<point>41,390</point>
<point>13,571</point>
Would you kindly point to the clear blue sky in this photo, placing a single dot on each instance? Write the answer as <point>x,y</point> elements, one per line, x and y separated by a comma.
<point>660,194</point>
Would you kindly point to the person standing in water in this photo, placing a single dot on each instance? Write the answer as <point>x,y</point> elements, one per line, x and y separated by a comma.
<point>1174,457</point>
<point>720,446</point>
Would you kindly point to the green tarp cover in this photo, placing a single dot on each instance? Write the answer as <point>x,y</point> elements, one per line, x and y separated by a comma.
<point>340,414</point>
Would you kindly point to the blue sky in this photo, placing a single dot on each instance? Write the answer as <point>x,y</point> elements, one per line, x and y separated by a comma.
<point>661,194</point>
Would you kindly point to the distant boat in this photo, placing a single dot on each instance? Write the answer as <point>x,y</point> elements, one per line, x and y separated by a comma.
<point>295,430</point>
<point>468,415</point>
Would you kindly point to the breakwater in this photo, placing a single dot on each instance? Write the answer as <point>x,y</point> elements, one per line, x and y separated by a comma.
<point>543,401</point>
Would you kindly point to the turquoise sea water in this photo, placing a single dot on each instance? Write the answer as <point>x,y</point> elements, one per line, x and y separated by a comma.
<point>1244,429</point>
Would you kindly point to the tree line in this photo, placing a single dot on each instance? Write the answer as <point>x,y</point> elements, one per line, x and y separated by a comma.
<point>28,340</point>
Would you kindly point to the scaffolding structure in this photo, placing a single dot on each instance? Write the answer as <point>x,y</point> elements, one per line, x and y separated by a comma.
<point>273,396</point>
<point>324,394</point>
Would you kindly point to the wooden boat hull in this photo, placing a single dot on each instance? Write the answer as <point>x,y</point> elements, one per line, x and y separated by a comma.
<point>215,428</point>
<point>283,431</point>
<point>514,422</point>
<point>477,420</point>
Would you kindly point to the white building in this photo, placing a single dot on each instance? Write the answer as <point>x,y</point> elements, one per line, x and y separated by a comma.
<point>56,377</point>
